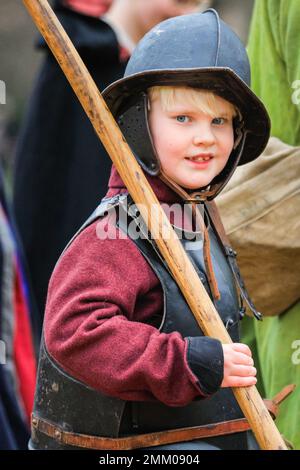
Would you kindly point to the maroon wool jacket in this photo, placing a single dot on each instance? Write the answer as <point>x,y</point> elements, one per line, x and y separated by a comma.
<point>102,297</point>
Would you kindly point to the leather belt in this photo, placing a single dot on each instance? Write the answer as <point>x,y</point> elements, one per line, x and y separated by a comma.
<point>152,439</point>
<point>136,441</point>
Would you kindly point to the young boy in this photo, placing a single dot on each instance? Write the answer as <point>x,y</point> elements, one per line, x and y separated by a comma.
<point>122,354</point>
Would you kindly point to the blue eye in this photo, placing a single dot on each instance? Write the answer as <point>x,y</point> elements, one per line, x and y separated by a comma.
<point>219,121</point>
<point>182,118</point>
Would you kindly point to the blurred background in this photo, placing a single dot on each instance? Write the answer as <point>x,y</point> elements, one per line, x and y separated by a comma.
<point>19,61</point>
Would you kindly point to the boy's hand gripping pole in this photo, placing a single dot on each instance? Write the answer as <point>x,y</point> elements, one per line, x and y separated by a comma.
<point>250,401</point>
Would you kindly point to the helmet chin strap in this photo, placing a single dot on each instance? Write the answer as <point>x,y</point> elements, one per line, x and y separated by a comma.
<point>194,199</point>
<point>196,196</point>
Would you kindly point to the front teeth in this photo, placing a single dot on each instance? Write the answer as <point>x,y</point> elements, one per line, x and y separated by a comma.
<point>199,159</point>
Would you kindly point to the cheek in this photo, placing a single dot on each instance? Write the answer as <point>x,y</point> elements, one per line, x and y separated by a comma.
<point>230,146</point>
<point>227,143</point>
<point>165,148</point>
<point>174,144</point>
<point>162,133</point>
<point>226,151</point>
<point>156,131</point>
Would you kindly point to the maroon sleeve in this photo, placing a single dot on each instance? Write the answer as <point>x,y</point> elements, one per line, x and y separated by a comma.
<point>100,296</point>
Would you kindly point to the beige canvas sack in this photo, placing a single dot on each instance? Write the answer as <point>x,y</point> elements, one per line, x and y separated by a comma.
<point>260,209</point>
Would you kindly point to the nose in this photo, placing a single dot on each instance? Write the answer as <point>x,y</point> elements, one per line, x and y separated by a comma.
<point>204,136</point>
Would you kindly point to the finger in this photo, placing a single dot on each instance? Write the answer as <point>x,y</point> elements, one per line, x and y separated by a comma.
<point>243,348</point>
<point>243,371</point>
<point>243,359</point>
<point>240,381</point>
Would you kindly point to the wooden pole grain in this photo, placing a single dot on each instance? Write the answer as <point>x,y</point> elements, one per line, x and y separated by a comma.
<point>131,173</point>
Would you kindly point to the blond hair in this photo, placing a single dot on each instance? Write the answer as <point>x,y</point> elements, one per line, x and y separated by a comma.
<point>203,100</point>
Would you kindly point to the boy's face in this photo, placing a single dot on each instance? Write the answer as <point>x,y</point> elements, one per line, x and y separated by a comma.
<point>192,146</point>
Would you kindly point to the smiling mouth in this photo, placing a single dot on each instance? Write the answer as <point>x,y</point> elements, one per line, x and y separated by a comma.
<point>200,158</point>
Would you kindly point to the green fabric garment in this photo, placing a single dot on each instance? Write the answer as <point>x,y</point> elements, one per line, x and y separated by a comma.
<point>273,48</point>
<point>274,45</point>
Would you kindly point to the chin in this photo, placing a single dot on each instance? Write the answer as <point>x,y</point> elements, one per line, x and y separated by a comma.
<point>195,186</point>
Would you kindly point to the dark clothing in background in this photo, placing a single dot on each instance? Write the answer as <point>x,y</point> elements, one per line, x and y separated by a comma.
<point>62,169</point>
<point>17,358</point>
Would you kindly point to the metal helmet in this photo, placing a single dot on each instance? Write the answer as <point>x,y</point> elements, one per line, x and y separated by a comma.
<point>197,50</point>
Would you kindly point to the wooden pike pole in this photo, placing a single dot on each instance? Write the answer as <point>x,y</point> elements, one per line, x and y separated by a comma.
<point>131,173</point>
